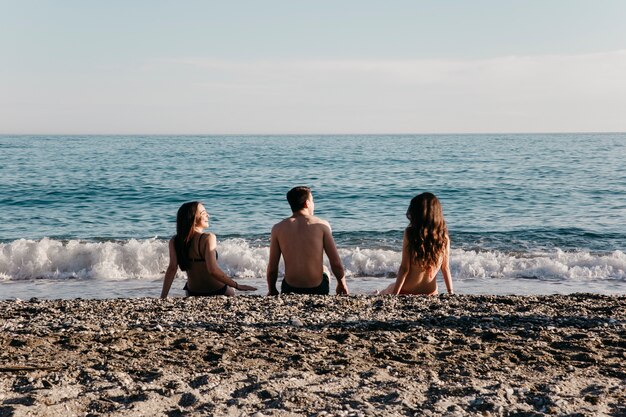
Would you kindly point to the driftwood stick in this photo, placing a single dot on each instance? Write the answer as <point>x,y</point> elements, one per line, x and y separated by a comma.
<point>16,368</point>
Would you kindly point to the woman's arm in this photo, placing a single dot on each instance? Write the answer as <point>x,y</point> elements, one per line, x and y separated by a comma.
<point>445,268</point>
<point>405,264</point>
<point>210,256</point>
<point>170,272</point>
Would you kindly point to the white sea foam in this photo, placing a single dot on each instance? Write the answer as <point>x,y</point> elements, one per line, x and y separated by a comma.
<point>47,258</point>
<point>147,259</point>
<point>546,265</point>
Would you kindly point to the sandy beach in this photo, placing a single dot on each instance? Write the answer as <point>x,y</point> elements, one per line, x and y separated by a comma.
<point>312,355</point>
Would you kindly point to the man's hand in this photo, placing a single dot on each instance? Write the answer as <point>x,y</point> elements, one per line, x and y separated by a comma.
<point>342,288</point>
<point>272,291</point>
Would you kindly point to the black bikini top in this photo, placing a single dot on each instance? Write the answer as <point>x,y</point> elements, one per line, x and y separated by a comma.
<point>201,258</point>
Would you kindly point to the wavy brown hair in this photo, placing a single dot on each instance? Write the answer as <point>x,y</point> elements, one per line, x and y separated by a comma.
<point>427,233</point>
<point>186,219</point>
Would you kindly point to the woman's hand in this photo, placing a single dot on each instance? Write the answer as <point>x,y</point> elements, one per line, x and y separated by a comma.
<point>245,287</point>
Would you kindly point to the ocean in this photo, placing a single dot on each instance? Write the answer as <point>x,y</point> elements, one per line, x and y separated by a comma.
<point>90,216</point>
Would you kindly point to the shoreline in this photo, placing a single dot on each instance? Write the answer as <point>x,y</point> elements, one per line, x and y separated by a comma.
<point>91,289</point>
<point>315,355</point>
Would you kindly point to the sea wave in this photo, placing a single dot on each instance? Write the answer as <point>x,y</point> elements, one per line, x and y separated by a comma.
<point>147,259</point>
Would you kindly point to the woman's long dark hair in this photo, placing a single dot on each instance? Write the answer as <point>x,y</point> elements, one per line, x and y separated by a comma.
<point>427,233</point>
<point>186,220</point>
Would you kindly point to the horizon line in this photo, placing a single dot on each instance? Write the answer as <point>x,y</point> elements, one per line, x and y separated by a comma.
<point>319,134</point>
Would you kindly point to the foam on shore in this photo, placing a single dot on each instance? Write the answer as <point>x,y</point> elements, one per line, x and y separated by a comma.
<point>147,259</point>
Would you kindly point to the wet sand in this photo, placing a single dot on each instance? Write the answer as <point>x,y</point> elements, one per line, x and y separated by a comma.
<point>312,355</point>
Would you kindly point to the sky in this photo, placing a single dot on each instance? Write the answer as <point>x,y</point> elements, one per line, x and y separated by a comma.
<point>323,67</point>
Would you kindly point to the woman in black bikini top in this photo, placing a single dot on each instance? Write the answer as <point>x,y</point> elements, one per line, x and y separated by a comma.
<point>195,252</point>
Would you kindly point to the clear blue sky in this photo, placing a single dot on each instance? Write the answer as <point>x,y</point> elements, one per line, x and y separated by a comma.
<point>312,67</point>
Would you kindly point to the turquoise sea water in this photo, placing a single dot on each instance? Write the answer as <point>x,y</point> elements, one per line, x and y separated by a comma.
<point>90,215</point>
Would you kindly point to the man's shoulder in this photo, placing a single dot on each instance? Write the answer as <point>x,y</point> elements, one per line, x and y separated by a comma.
<point>281,224</point>
<point>319,221</point>
<point>311,220</point>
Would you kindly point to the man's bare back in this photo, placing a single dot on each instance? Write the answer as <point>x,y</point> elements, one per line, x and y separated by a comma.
<point>302,240</point>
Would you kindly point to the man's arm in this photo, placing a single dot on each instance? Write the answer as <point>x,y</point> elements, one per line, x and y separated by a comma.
<point>335,261</point>
<point>272,265</point>
<point>170,272</point>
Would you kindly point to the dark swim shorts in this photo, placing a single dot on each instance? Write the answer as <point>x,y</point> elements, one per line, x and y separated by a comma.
<point>219,291</point>
<point>322,289</point>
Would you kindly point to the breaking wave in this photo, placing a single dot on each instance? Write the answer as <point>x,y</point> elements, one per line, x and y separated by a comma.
<point>147,259</point>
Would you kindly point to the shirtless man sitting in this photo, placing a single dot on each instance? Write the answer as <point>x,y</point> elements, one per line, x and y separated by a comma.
<point>302,240</point>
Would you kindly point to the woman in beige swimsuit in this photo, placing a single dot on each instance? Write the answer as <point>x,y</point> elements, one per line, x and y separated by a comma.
<point>425,249</point>
<point>195,252</point>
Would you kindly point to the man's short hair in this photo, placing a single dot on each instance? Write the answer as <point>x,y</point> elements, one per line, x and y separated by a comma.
<point>297,196</point>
